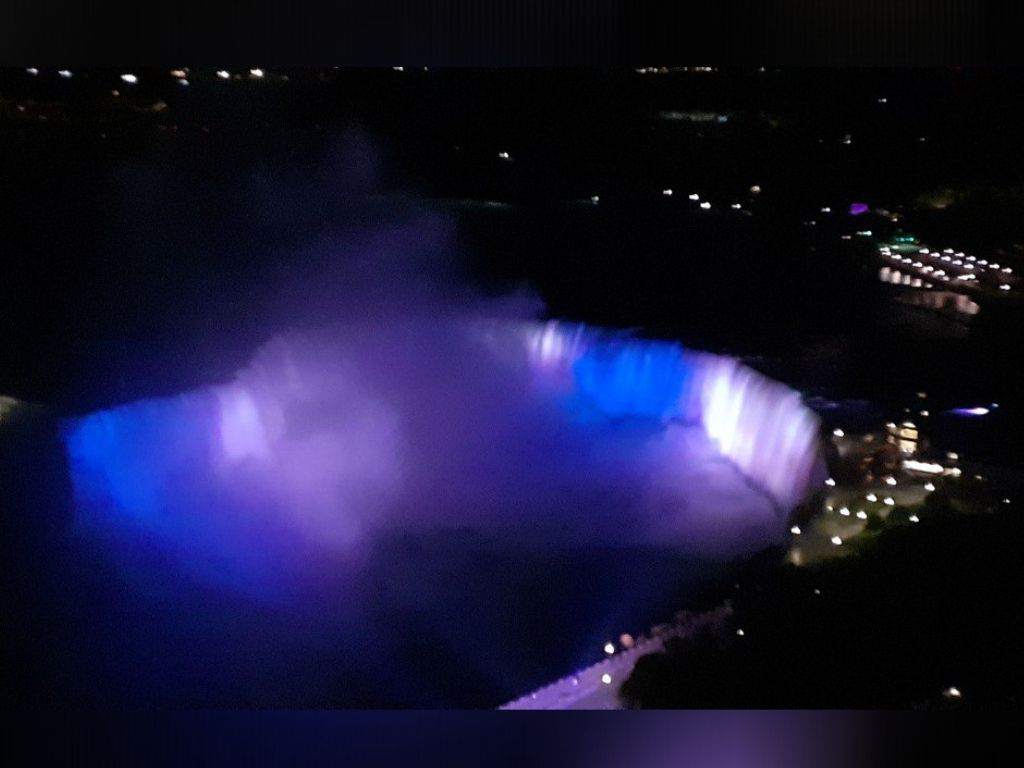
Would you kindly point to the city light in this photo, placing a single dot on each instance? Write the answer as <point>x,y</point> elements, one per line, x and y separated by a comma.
<point>667,192</point>
<point>795,530</point>
<point>32,71</point>
<point>223,74</point>
<point>871,497</point>
<point>705,205</point>
<point>836,540</point>
<point>740,633</point>
<point>862,515</point>
<point>976,411</point>
<point>694,196</point>
<point>929,487</point>
<point>65,73</point>
<point>888,501</point>
<point>609,648</point>
<point>830,482</point>
<point>844,511</point>
<point>838,433</point>
<point>256,72</point>
<point>890,480</point>
<point>952,692</point>
<point>606,679</point>
<point>129,78</point>
<point>914,519</point>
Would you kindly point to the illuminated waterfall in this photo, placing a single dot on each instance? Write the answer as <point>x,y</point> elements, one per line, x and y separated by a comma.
<point>327,438</point>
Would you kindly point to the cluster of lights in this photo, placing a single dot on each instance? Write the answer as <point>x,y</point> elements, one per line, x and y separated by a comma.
<point>967,265</point>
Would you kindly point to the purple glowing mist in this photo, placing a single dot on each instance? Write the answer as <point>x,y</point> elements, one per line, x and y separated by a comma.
<point>390,398</point>
<point>856,209</point>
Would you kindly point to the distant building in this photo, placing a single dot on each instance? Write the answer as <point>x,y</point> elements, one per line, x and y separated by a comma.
<point>905,437</point>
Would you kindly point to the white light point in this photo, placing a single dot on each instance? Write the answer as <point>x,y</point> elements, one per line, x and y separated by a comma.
<point>65,73</point>
<point>257,72</point>
<point>795,530</point>
<point>740,633</point>
<point>129,78</point>
<point>929,487</point>
<point>609,648</point>
<point>888,501</point>
<point>952,692</point>
<point>836,541</point>
<point>862,515</point>
<point>844,511</point>
<point>830,483</point>
<point>606,679</point>
<point>838,433</point>
<point>223,74</point>
<point>667,192</point>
